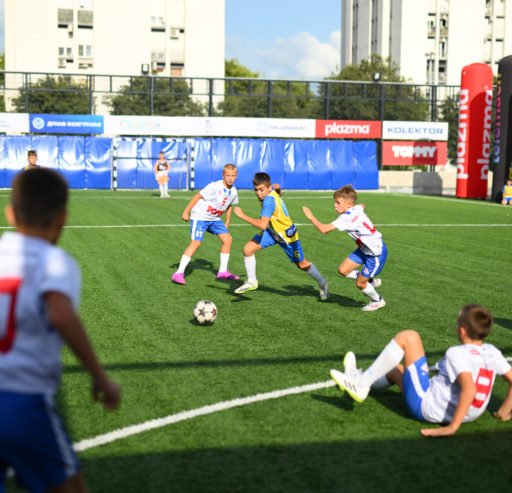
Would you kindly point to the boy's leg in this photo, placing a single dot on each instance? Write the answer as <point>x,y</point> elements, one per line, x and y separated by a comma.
<point>349,268</point>
<point>311,270</point>
<point>225,250</point>
<point>179,276</point>
<point>250,249</point>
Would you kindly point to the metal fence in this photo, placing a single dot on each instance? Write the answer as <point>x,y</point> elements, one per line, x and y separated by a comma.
<point>325,99</point>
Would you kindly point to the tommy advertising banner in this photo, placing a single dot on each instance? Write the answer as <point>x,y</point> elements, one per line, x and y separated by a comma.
<point>400,153</point>
<point>348,129</point>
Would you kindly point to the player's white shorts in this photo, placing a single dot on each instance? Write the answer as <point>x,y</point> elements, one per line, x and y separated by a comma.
<point>198,228</point>
<point>34,442</point>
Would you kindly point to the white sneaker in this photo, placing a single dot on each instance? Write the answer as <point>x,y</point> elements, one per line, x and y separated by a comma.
<point>374,305</point>
<point>247,286</point>
<point>350,365</point>
<point>376,282</point>
<point>324,291</point>
<point>350,385</point>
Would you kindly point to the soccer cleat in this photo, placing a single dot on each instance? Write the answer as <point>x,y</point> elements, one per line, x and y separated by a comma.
<point>350,385</point>
<point>178,278</point>
<point>350,365</point>
<point>247,286</point>
<point>226,275</point>
<point>374,305</point>
<point>376,282</point>
<point>324,291</point>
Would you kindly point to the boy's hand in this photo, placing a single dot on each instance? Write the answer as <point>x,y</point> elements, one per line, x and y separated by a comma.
<point>443,431</point>
<point>107,392</point>
<point>307,212</point>
<point>238,212</point>
<point>501,416</point>
<point>185,216</point>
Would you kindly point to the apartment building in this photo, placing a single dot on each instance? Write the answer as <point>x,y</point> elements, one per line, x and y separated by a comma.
<point>430,40</point>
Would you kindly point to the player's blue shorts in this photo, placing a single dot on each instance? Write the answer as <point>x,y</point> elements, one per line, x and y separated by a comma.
<point>507,199</point>
<point>415,382</point>
<point>34,442</point>
<point>293,250</point>
<point>371,265</point>
<point>198,228</point>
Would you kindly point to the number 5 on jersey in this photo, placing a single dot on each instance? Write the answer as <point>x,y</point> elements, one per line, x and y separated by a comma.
<point>9,288</point>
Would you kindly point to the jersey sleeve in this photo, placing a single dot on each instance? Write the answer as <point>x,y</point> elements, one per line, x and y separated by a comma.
<point>269,206</point>
<point>62,275</point>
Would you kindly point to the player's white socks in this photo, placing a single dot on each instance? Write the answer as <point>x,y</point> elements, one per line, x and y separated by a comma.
<point>165,188</point>
<point>370,292</point>
<point>313,272</point>
<point>224,259</point>
<point>388,359</point>
<point>381,383</point>
<point>161,190</point>
<point>353,274</point>
<point>183,264</point>
<point>250,268</point>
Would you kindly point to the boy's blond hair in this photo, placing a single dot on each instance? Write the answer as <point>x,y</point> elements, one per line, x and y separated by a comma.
<point>476,319</point>
<point>229,167</point>
<point>347,192</point>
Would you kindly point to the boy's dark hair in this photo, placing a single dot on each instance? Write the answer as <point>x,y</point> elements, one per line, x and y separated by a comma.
<point>38,197</point>
<point>31,153</point>
<point>261,179</point>
<point>476,319</point>
<point>347,192</point>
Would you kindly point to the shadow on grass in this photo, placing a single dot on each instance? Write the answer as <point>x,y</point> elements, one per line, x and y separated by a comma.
<point>466,462</point>
<point>506,323</point>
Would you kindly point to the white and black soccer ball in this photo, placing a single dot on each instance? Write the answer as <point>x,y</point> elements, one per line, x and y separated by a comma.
<point>205,312</point>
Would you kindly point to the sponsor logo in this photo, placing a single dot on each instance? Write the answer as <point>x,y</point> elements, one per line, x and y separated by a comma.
<point>38,123</point>
<point>338,129</point>
<point>350,129</point>
<point>462,135</point>
<point>414,151</point>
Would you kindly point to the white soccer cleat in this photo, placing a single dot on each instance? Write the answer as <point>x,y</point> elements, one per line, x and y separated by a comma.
<point>350,385</point>
<point>374,305</point>
<point>324,291</point>
<point>349,363</point>
<point>247,286</point>
<point>376,282</point>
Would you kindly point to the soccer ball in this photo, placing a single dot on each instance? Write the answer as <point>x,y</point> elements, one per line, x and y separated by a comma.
<point>205,312</point>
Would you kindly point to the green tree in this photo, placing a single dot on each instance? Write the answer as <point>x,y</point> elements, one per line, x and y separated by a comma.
<point>449,112</point>
<point>155,95</point>
<point>387,99</point>
<point>61,95</point>
<point>255,97</point>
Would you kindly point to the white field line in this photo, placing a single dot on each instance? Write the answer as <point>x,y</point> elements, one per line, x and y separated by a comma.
<point>194,413</point>
<point>186,225</point>
<point>449,199</point>
<point>153,424</point>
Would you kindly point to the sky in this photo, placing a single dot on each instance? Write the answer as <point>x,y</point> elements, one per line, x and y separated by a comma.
<point>285,38</point>
<point>299,39</point>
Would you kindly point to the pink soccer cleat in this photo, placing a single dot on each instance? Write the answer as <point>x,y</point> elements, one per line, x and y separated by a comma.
<point>178,278</point>
<point>226,275</point>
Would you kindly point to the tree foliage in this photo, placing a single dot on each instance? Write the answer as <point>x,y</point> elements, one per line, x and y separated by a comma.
<point>255,97</point>
<point>155,95</point>
<point>386,99</point>
<point>54,95</point>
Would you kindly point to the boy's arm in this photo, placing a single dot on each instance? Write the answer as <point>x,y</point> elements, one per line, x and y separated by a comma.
<point>228,216</point>
<point>193,201</point>
<point>323,228</point>
<point>261,223</point>
<point>63,317</point>
<point>505,411</point>
<point>466,397</point>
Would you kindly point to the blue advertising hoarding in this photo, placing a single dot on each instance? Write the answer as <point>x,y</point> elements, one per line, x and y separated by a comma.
<point>66,124</point>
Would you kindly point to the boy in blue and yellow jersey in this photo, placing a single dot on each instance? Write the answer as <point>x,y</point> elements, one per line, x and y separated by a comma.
<point>276,227</point>
<point>507,193</point>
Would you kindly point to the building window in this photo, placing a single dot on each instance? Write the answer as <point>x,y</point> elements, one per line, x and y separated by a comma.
<point>177,69</point>
<point>157,24</point>
<point>84,19</point>
<point>85,50</point>
<point>177,33</point>
<point>64,18</point>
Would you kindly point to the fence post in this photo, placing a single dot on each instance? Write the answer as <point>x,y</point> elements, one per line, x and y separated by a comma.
<point>210,97</point>
<point>25,77</point>
<point>327,101</point>
<point>151,101</point>
<point>90,79</point>
<point>269,99</point>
